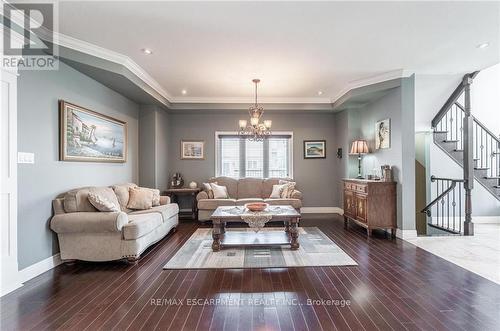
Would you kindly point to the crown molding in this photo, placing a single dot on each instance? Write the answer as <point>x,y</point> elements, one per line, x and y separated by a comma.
<point>106,54</point>
<point>387,76</point>
<point>249,100</point>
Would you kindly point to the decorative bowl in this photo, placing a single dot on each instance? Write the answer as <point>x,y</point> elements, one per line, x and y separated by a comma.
<point>256,206</point>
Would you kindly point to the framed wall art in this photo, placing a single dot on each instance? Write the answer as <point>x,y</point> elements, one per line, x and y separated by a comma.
<point>88,136</point>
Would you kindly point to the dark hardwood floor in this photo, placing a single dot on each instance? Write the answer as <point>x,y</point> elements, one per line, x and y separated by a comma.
<point>395,286</point>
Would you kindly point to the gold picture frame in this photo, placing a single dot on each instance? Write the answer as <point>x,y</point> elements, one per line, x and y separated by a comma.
<point>88,136</point>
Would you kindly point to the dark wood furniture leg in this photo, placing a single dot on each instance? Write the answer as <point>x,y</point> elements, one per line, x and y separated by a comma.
<point>216,235</point>
<point>393,233</point>
<point>294,234</point>
<point>346,222</point>
<point>194,211</point>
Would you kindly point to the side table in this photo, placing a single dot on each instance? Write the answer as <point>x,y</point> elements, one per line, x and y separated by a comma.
<point>174,194</point>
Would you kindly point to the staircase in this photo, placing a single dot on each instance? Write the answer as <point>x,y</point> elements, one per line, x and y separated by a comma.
<point>486,147</point>
<point>472,146</point>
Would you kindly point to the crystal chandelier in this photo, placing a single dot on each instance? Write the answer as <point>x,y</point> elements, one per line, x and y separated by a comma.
<point>256,130</point>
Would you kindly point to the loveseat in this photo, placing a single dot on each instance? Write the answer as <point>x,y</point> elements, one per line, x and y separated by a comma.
<point>84,233</point>
<point>242,191</point>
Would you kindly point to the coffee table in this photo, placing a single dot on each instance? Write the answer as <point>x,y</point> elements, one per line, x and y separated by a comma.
<point>237,214</point>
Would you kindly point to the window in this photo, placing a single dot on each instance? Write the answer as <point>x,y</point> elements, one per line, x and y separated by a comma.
<point>237,157</point>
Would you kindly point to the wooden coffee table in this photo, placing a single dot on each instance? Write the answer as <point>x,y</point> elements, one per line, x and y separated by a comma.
<point>233,214</point>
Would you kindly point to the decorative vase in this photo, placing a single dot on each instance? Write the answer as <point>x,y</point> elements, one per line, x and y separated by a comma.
<point>193,185</point>
<point>177,181</point>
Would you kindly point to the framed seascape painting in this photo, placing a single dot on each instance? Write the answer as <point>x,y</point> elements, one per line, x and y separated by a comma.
<point>314,149</point>
<point>383,134</point>
<point>192,150</point>
<point>88,136</point>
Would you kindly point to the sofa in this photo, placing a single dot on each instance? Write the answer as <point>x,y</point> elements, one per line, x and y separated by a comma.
<point>242,191</point>
<point>84,233</point>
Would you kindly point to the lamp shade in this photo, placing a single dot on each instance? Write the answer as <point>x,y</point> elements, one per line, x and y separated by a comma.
<point>359,147</point>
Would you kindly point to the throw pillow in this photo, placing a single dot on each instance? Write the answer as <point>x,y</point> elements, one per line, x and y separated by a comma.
<point>277,190</point>
<point>156,196</point>
<point>140,198</point>
<point>207,188</point>
<point>220,192</point>
<point>288,189</point>
<point>102,203</point>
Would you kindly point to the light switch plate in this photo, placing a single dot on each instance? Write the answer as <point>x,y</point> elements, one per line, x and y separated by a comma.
<point>25,157</point>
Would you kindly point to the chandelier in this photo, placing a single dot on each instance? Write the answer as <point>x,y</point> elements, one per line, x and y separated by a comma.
<point>256,130</point>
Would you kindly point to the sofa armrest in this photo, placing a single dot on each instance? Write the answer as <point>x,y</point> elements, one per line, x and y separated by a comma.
<point>201,195</point>
<point>89,222</point>
<point>296,195</point>
<point>164,200</point>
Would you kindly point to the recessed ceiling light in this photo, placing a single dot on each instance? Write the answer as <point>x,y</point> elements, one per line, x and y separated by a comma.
<point>184,92</point>
<point>320,92</point>
<point>147,51</point>
<point>483,45</point>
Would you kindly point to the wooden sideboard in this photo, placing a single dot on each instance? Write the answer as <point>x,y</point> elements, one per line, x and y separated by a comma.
<point>371,204</point>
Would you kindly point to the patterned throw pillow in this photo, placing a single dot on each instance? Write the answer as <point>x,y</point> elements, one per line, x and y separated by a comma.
<point>220,192</point>
<point>288,189</point>
<point>140,198</point>
<point>207,188</point>
<point>156,196</point>
<point>102,203</point>
<point>277,190</point>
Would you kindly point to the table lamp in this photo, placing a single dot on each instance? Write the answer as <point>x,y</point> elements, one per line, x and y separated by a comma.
<point>359,147</point>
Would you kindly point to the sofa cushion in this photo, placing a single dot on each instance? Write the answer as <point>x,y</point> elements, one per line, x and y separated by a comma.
<point>230,183</point>
<point>140,198</point>
<point>211,204</point>
<point>295,203</point>
<point>249,188</point>
<point>167,211</point>
<point>219,191</point>
<point>242,202</point>
<point>121,191</point>
<point>141,224</point>
<point>104,201</point>
<point>267,186</point>
<point>77,201</point>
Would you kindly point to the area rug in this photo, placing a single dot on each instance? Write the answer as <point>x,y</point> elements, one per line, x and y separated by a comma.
<point>315,250</point>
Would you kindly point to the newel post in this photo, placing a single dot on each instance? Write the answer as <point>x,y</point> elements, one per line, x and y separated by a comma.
<point>468,157</point>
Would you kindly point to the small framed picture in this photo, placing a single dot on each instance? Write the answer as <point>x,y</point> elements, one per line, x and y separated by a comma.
<point>192,150</point>
<point>383,134</point>
<point>314,149</point>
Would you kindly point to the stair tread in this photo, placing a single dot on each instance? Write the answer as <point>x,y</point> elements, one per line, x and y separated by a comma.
<point>437,131</point>
<point>481,168</point>
<point>451,141</point>
<point>458,150</point>
<point>494,177</point>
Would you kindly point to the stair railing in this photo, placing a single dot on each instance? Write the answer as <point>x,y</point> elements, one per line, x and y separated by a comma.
<point>466,141</point>
<point>447,210</point>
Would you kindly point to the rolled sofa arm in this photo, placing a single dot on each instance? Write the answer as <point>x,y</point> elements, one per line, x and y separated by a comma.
<point>296,195</point>
<point>201,195</point>
<point>164,200</point>
<point>89,222</point>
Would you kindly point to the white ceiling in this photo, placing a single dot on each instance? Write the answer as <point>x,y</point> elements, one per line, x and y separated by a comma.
<point>214,49</point>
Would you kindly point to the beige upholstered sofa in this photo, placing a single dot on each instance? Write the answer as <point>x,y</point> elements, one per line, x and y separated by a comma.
<point>87,234</point>
<point>242,191</point>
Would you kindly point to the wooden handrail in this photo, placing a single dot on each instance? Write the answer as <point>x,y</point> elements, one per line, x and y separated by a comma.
<point>452,99</point>
<point>454,182</point>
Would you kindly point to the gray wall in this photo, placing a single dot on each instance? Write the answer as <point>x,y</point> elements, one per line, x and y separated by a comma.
<point>153,151</point>
<point>315,178</point>
<point>39,183</point>
<point>398,105</point>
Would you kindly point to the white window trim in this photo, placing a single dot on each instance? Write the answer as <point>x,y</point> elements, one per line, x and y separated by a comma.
<point>232,133</point>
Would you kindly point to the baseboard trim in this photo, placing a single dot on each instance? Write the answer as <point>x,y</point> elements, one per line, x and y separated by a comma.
<point>406,234</point>
<point>322,210</point>
<point>39,268</point>
<point>486,219</point>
